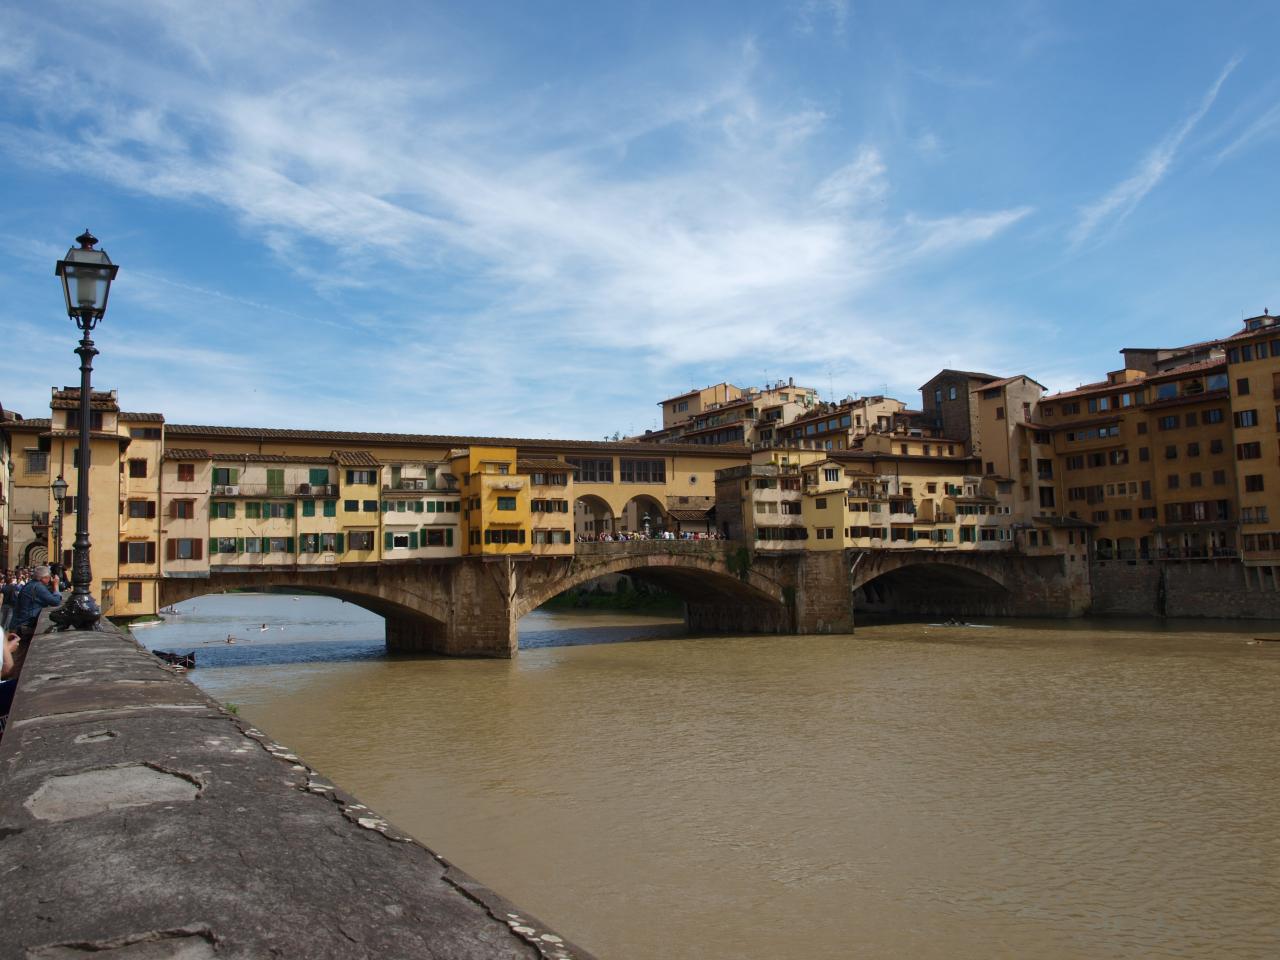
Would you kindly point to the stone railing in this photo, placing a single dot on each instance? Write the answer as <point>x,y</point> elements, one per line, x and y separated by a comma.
<point>140,818</point>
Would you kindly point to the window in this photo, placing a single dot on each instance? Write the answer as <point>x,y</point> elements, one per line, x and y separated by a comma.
<point>1173,482</point>
<point>361,540</point>
<point>275,482</point>
<point>937,397</point>
<point>1193,449</point>
<point>592,470</point>
<point>331,507</point>
<point>1219,477</point>
<point>951,391</point>
<point>182,509</point>
<point>137,468</point>
<point>135,592</point>
<point>318,476</point>
<point>826,533</point>
<point>36,461</point>
<point>504,536</point>
<point>279,545</point>
<point>820,503</point>
<point>350,506</point>
<point>1171,452</point>
<point>1215,446</point>
<point>186,472</point>
<point>999,413</point>
<point>222,510</point>
<point>831,475</point>
<point>1142,426</point>
<point>225,476</point>
<point>1213,416</point>
<point>643,471</point>
<point>1196,480</point>
<point>1168,423</point>
<point>308,508</point>
<point>1248,451</point>
<point>142,509</point>
<point>1253,483</point>
<point>370,506</point>
<point>136,551</point>
<point>362,476</point>
<point>330,543</point>
<point>1144,454</point>
<point>506,503</point>
<point>1242,386</point>
<point>309,543</point>
<point>1046,497</point>
<point>1191,419</point>
<point>183,549</point>
<point>1246,418</point>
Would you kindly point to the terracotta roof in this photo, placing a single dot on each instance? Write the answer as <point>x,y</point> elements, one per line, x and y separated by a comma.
<point>1084,388</point>
<point>971,374</point>
<point>93,434</point>
<point>269,458</point>
<point>919,457</point>
<point>355,458</point>
<point>264,434</point>
<point>529,466</point>
<point>70,400</point>
<point>36,424</point>
<point>687,515</point>
<point>1000,383</point>
<point>179,453</point>
<point>148,417</point>
<point>1187,368</point>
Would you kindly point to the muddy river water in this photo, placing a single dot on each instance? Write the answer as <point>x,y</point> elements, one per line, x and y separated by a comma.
<point>1024,789</point>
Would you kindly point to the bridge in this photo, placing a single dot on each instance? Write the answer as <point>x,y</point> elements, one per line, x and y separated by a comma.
<point>470,606</point>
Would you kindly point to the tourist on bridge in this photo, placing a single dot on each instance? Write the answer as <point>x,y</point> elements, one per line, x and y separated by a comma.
<point>34,597</point>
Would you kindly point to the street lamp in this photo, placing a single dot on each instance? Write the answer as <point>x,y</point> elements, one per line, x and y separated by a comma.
<point>86,276</point>
<point>59,488</point>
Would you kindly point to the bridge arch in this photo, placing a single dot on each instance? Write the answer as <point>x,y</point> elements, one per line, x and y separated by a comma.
<point>712,583</point>
<point>920,582</point>
<point>592,516</point>
<point>641,507</point>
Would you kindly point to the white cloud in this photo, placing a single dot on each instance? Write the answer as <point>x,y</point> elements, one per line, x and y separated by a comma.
<point>1117,204</point>
<point>551,247</point>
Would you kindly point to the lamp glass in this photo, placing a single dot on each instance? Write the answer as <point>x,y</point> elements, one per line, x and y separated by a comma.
<point>60,489</point>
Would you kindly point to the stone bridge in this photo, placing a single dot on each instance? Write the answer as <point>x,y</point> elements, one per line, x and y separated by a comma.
<point>471,606</point>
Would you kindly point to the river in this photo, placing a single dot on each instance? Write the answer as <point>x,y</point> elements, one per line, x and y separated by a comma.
<point>1027,789</point>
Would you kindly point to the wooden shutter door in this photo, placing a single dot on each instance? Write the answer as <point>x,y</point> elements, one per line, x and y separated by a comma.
<point>151,551</point>
<point>195,550</point>
<point>171,549</point>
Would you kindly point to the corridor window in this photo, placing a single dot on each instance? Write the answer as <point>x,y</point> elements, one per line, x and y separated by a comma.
<point>592,470</point>
<point>831,475</point>
<point>362,476</point>
<point>506,503</point>
<point>361,539</point>
<point>186,472</point>
<point>643,471</point>
<point>137,468</point>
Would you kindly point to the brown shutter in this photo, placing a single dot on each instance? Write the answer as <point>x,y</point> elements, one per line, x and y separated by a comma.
<point>171,549</point>
<point>151,509</point>
<point>151,551</point>
<point>124,552</point>
<point>196,547</point>
<point>173,509</point>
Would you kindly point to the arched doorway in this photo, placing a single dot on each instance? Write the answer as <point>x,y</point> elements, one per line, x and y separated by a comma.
<point>592,516</point>
<point>644,514</point>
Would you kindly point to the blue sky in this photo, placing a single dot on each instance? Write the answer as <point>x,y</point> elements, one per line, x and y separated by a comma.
<point>537,219</point>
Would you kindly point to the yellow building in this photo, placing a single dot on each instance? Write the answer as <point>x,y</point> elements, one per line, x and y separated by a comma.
<point>1253,375</point>
<point>551,495</point>
<point>495,500</point>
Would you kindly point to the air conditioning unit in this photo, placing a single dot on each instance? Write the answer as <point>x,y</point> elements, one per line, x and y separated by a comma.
<point>413,484</point>
<point>304,488</point>
<point>232,491</point>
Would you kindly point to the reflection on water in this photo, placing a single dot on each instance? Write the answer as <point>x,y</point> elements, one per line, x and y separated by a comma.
<point>1054,790</point>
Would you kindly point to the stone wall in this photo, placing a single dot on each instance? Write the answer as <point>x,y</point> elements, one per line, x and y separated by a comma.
<point>1211,588</point>
<point>140,819</point>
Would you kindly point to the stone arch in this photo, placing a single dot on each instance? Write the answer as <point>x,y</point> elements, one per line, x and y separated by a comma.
<point>393,598</point>
<point>592,515</point>
<point>950,586</point>
<point>35,554</point>
<point>640,506</point>
<point>701,578</point>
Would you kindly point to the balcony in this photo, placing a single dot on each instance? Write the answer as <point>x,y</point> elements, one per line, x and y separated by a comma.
<point>414,484</point>
<point>277,490</point>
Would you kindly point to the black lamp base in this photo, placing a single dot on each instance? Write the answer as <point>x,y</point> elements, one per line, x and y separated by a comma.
<point>81,612</point>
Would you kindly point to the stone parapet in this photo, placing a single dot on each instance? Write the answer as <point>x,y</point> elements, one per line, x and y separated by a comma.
<point>139,818</point>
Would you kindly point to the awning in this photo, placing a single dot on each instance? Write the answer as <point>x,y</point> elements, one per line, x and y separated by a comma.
<point>691,516</point>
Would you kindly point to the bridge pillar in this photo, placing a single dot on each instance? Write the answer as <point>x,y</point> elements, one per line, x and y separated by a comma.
<point>478,621</point>
<point>822,601</point>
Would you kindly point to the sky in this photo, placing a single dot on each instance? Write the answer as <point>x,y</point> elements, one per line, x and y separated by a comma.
<point>539,219</point>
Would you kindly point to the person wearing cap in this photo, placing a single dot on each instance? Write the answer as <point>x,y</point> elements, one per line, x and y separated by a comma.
<point>34,597</point>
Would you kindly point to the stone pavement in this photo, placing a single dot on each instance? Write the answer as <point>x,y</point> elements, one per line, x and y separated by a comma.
<point>139,820</point>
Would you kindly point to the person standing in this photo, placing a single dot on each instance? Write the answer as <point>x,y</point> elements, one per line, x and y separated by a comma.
<point>33,598</point>
<point>10,594</point>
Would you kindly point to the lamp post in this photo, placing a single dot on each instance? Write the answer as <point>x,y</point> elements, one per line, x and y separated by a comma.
<point>59,488</point>
<point>86,276</point>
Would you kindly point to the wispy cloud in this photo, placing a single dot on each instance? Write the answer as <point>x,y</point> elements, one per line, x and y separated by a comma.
<point>813,16</point>
<point>1114,207</point>
<point>1265,126</point>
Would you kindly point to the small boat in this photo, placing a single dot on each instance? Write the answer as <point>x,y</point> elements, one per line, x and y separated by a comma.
<point>169,611</point>
<point>1266,639</point>
<point>185,660</point>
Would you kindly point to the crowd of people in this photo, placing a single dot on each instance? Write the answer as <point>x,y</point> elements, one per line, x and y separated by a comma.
<point>626,536</point>
<point>25,591</point>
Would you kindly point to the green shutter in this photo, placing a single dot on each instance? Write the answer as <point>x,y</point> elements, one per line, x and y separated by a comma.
<point>234,474</point>
<point>387,540</point>
<point>213,546</point>
<point>288,545</point>
<point>448,537</point>
<point>319,476</point>
<point>288,511</point>
<point>386,506</point>
<point>239,544</point>
<point>413,539</point>
<point>231,511</point>
<point>417,506</point>
<point>265,544</point>
<point>351,476</point>
<point>308,508</point>
<point>251,511</point>
<point>331,508</point>
<point>338,544</point>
